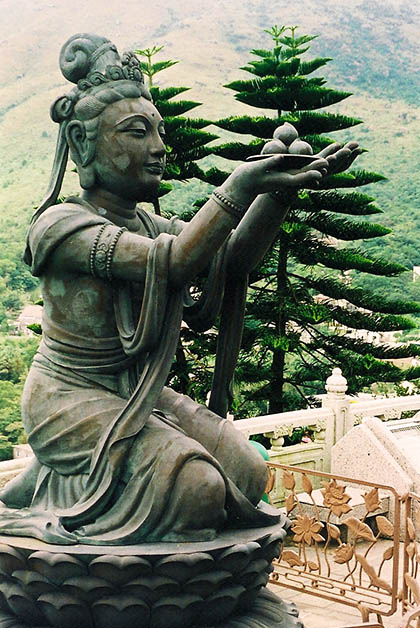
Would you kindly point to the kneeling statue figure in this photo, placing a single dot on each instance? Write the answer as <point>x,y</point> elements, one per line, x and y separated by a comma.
<point>120,458</point>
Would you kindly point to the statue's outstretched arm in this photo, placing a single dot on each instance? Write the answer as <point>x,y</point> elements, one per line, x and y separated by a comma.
<point>244,203</point>
<point>259,227</point>
<point>206,232</point>
<point>242,200</point>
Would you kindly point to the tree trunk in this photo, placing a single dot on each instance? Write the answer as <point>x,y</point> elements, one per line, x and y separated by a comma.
<point>276,400</point>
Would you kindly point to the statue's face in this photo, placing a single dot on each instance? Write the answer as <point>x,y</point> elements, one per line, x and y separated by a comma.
<point>130,152</point>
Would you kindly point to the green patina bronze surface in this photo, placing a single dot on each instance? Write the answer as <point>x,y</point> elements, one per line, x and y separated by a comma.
<point>120,458</point>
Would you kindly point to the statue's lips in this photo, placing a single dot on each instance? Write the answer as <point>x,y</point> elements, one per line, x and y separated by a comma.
<point>154,168</point>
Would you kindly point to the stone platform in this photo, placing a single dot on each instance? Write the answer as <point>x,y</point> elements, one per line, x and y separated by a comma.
<point>160,585</point>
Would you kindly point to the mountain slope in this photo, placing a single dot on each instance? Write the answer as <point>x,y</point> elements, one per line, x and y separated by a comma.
<point>375,51</point>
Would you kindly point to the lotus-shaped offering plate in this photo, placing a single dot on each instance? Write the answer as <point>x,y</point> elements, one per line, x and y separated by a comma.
<point>289,162</point>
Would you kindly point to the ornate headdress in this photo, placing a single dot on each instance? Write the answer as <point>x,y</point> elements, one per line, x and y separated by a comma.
<point>101,76</point>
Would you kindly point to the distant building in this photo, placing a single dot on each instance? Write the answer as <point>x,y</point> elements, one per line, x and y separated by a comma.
<point>416,273</point>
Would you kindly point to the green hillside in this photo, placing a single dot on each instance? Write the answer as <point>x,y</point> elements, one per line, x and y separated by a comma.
<point>375,51</point>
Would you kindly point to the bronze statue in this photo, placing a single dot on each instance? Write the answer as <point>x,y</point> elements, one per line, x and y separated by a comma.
<point>120,458</point>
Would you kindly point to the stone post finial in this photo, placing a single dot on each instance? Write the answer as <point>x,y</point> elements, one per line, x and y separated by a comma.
<point>336,384</point>
<point>340,420</point>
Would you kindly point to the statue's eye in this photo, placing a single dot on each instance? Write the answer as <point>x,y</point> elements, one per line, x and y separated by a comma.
<point>136,132</point>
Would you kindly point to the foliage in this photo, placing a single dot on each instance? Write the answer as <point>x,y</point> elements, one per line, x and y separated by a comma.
<point>16,354</point>
<point>148,67</point>
<point>11,427</point>
<point>304,302</point>
<point>15,279</point>
<point>304,308</point>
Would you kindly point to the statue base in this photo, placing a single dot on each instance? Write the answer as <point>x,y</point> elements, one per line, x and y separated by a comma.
<point>158,585</point>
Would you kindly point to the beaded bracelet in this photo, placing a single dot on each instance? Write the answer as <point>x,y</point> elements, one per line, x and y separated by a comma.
<point>92,254</point>
<point>111,252</point>
<point>102,251</point>
<point>226,203</point>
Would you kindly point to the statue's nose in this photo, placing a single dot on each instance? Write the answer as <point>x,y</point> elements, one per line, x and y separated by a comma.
<point>158,148</point>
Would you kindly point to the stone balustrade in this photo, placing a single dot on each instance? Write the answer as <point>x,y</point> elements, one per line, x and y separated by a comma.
<point>329,423</point>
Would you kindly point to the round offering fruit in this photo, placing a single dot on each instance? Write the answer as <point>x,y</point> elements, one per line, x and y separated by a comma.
<point>286,133</point>
<point>299,147</point>
<point>274,146</point>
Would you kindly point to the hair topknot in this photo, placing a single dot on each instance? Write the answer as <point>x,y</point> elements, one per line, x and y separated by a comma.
<point>78,56</point>
<point>93,63</point>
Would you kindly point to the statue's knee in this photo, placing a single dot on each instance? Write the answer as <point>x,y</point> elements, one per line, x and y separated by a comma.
<point>212,487</point>
<point>206,483</point>
<point>204,493</point>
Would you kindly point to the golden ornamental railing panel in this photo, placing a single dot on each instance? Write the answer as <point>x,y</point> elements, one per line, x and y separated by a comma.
<point>410,594</point>
<point>336,531</point>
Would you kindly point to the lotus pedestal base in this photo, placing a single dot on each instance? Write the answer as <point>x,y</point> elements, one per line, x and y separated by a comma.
<point>162,585</point>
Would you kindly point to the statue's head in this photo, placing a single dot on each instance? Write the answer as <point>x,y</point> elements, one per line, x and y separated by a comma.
<point>109,91</point>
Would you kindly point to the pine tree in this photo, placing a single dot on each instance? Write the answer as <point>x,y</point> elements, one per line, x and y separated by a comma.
<point>302,309</point>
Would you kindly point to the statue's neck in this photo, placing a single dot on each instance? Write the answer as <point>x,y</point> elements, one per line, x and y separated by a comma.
<point>118,210</point>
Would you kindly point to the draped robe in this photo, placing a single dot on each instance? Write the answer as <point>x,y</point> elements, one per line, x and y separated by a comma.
<point>109,437</point>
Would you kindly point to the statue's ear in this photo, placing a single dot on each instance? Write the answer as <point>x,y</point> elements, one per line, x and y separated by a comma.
<point>82,151</point>
<point>78,142</point>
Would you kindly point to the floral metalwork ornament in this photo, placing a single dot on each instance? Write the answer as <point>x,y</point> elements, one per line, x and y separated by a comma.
<point>332,560</point>
<point>306,529</point>
<point>336,498</point>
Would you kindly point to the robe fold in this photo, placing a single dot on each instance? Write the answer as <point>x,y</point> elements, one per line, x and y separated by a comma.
<point>110,438</point>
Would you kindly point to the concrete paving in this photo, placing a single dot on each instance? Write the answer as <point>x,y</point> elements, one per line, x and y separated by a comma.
<point>319,613</point>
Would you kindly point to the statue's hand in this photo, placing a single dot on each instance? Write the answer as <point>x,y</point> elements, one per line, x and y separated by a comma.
<point>269,175</point>
<point>340,157</point>
<point>286,141</point>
